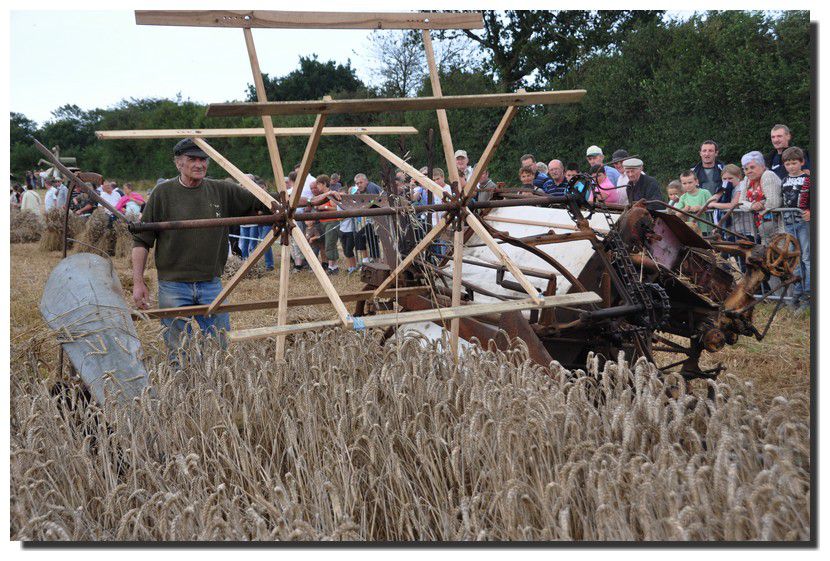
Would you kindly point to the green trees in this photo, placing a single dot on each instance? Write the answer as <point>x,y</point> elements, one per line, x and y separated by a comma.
<point>656,87</point>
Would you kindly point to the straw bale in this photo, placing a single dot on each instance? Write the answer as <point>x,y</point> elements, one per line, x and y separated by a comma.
<point>26,226</point>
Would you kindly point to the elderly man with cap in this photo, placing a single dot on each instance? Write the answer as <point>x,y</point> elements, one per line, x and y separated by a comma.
<point>462,164</point>
<point>640,185</point>
<point>189,262</point>
<point>595,157</point>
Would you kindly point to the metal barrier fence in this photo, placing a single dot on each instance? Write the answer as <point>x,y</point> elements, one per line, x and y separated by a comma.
<point>760,227</point>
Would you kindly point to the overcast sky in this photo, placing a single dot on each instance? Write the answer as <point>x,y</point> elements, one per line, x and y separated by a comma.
<point>107,58</point>
<point>93,58</point>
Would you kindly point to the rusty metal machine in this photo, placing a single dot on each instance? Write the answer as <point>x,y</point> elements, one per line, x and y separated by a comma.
<point>665,288</point>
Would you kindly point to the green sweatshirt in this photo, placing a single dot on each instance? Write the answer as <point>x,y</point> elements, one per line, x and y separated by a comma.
<point>198,254</point>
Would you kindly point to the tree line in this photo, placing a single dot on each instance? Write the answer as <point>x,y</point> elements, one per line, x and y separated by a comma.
<point>656,86</point>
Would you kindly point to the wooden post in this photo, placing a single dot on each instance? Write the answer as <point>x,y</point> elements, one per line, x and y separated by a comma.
<point>457,256</point>
<point>487,155</point>
<point>282,308</point>
<point>267,122</point>
<point>443,123</point>
<point>308,156</point>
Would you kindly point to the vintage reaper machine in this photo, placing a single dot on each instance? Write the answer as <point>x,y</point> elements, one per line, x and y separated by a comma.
<point>629,277</point>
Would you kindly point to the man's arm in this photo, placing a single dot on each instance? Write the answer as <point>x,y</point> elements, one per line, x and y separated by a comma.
<point>141,295</point>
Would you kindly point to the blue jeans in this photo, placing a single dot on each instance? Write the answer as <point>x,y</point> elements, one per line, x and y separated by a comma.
<point>174,294</point>
<point>801,231</point>
<point>261,232</point>
<point>246,246</point>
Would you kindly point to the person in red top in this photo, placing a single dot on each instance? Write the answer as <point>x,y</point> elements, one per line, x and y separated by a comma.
<point>324,199</point>
<point>760,193</point>
<point>130,195</point>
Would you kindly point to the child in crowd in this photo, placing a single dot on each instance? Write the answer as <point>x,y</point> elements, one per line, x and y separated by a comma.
<point>693,199</point>
<point>571,171</point>
<point>674,190</point>
<point>608,192</point>
<point>526,176</point>
<point>795,192</point>
<point>727,197</point>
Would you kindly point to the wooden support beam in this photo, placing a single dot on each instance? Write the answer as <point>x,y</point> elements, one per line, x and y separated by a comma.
<point>436,314</point>
<point>485,236</point>
<point>235,172</point>
<point>507,220</point>
<point>310,20</point>
<point>443,123</point>
<point>141,134</point>
<point>404,166</point>
<point>407,261</point>
<point>457,256</point>
<point>247,265</point>
<point>282,309</point>
<point>487,155</point>
<point>267,122</point>
<point>321,275</point>
<point>308,157</point>
<point>380,105</point>
<point>316,300</point>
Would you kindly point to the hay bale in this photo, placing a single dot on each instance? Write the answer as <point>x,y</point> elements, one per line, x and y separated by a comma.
<point>26,226</point>
<point>123,239</point>
<point>235,262</point>
<point>52,239</point>
<point>98,234</point>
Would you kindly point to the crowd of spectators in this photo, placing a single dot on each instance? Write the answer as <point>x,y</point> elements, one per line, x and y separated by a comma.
<point>771,193</point>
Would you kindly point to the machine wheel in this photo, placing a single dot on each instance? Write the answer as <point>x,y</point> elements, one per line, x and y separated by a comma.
<point>783,255</point>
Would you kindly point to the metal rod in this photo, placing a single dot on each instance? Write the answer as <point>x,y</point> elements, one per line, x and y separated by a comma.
<point>89,190</point>
<point>279,216</point>
<point>690,215</point>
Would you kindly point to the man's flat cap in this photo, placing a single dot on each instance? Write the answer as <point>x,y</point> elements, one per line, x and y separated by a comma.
<point>187,147</point>
<point>633,163</point>
<point>593,151</point>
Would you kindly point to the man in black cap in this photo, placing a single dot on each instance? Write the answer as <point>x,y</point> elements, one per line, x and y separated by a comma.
<point>189,262</point>
<point>617,159</point>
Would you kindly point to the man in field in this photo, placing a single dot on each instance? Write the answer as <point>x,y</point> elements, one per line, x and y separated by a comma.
<point>189,262</point>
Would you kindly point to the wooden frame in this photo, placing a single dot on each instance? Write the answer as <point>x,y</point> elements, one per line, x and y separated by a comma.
<point>380,105</point>
<point>459,217</point>
<point>310,20</point>
<point>140,134</point>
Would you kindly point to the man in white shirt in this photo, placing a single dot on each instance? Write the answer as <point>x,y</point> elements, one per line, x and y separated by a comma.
<point>50,200</point>
<point>109,194</point>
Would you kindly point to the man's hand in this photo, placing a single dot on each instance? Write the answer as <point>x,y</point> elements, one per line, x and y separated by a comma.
<point>141,295</point>
<point>756,206</point>
<point>805,214</point>
<point>336,195</point>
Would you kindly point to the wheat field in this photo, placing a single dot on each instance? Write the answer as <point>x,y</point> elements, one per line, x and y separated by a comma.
<point>351,440</point>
